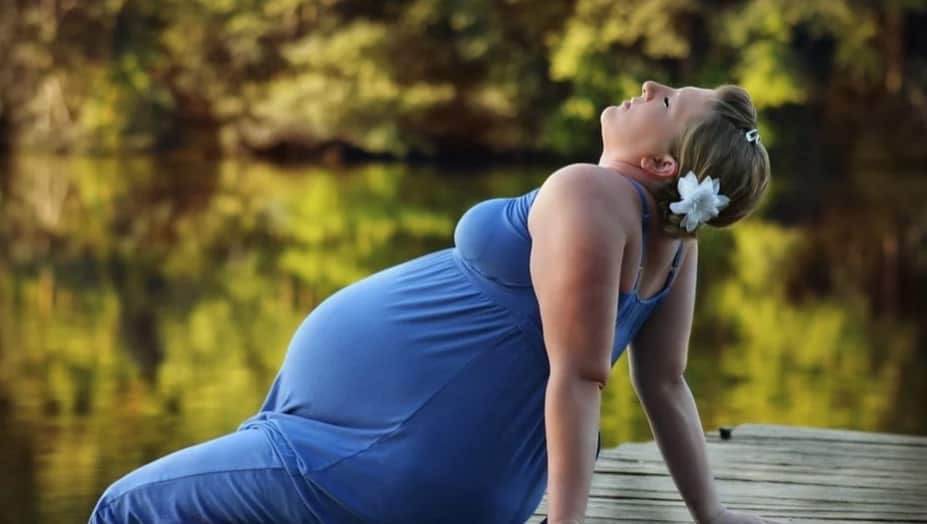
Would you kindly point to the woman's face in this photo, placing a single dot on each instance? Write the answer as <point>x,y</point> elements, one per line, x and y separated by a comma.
<point>644,126</point>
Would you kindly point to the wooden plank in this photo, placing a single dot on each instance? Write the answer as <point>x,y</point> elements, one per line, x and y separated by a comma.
<point>785,510</point>
<point>781,474</point>
<point>839,435</point>
<point>722,465</point>
<point>663,486</point>
<point>785,473</point>
<point>798,451</point>
<point>773,454</point>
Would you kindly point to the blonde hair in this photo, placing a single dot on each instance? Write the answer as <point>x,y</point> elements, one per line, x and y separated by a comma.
<point>717,146</point>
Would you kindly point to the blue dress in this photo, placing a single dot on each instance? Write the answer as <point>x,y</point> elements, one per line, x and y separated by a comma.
<point>415,395</point>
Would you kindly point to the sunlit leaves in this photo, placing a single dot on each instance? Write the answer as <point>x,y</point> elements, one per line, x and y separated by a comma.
<point>767,71</point>
<point>423,76</point>
<point>789,362</point>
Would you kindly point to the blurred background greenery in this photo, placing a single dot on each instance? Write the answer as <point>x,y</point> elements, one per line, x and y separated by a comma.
<point>182,181</point>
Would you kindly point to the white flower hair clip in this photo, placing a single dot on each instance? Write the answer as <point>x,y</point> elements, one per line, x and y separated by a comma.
<point>753,136</point>
<point>700,201</point>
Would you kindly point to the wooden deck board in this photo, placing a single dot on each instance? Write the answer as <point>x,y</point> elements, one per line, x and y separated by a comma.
<point>787,473</point>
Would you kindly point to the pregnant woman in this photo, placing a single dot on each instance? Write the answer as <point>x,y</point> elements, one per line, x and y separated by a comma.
<point>456,387</point>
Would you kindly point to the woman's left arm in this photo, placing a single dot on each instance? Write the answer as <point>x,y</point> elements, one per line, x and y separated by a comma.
<point>658,358</point>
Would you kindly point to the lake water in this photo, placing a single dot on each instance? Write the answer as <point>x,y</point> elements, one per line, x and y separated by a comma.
<point>145,304</point>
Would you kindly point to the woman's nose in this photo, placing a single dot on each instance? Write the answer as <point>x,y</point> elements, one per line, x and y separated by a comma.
<point>648,89</point>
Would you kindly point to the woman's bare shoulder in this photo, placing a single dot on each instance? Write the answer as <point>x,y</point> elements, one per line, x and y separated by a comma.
<point>595,189</point>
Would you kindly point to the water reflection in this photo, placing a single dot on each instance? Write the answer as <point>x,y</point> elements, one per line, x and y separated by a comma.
<point>145,305</point>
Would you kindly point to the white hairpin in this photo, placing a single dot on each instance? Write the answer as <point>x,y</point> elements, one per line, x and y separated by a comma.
<point>753,136</point>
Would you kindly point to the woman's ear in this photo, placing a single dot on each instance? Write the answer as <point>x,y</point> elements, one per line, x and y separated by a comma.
<point>663,166</point>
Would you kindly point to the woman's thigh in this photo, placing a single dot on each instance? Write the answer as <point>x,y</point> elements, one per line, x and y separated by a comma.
<point>234,478</point>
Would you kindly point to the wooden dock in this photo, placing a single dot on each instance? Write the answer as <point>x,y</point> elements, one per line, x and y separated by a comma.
<point>784,473</point>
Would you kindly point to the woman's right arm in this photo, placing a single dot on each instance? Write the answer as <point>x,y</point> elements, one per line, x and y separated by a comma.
<point>658,358</point>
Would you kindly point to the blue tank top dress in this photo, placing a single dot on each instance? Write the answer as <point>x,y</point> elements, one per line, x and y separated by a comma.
<point>416,395</point>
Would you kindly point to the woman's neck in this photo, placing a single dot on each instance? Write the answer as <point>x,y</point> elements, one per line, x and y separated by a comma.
<point>650,183</point>
<point>628,169</point>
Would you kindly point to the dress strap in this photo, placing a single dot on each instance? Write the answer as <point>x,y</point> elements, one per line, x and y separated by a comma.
<point>676,258</point>
<point>645,218</point>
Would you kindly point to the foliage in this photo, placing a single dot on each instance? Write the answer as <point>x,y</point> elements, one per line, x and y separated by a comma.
<point>421,76</point>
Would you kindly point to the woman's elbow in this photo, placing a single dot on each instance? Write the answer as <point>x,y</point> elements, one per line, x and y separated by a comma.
<point>656,384</point>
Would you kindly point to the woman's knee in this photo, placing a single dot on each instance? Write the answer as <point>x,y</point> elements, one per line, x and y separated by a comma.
<point>102,513</point>
<point>125,501</point>
<point>226,479</point>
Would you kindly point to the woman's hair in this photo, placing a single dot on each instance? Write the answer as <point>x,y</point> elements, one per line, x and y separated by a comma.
<point>717,147</point>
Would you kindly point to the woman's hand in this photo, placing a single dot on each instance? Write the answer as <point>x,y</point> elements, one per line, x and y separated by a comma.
<point>729,517</point>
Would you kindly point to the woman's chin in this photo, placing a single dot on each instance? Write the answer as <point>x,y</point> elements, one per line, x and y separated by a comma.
<point>606,112</point>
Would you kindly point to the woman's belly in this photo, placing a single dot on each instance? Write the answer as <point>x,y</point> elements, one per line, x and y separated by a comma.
<point>474,451</point>
<point>435,387</point>
<point>375,352</point>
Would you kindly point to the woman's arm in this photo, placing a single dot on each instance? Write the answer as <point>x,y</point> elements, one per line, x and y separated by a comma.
<point>658,359</point>
<point>577,247</point>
